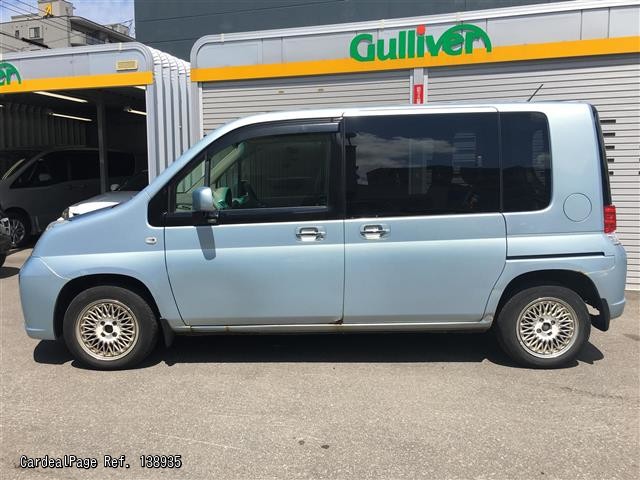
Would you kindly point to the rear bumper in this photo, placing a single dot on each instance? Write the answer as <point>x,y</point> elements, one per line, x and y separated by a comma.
<point>39,290</point>
<point>616,309</point>
<point>610,284</point>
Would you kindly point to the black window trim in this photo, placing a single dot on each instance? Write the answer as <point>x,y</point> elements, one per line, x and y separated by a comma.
<point>159,204</point>
<point>158,211</point>
<point>602,152</point>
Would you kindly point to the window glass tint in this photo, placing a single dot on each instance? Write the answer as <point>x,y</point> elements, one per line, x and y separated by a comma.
<point>193,179</point>
<point>526,161</point>
<point>135,183</point>
<point>422,164</point>
<point>48,170</point>
<point>264,172</point>
<point>11,160</point>
<point>84,164</point>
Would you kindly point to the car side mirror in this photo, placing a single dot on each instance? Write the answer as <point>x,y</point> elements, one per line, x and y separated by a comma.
<point>44,177</point>
<point>114,187</point>
<point>204,209</point>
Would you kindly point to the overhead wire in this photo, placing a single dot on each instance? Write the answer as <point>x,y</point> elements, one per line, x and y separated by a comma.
<point>23,12</point>
<point>52,21</point>
<point>66,29</point>
<point>19,39</point>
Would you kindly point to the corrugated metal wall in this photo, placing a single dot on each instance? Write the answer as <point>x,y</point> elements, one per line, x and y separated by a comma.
<point>168,102</point>
<point>226,101</point>
<point>609,83</point>
<point>31,126</point>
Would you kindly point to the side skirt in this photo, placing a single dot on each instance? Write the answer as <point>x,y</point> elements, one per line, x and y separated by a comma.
<point>480,326</point>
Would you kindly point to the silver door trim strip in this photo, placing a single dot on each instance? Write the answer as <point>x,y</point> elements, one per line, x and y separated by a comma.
<point>482,325</point>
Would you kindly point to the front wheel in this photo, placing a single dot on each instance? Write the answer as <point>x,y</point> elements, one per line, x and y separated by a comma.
<point>20,227</point>
<point>544,327</point>
<point>110,328</point>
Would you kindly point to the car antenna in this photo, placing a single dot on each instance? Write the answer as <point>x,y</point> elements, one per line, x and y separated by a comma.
<point>534,93</point>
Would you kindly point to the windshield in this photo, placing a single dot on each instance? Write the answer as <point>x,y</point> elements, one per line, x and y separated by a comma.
<point>135,183</point>
<point>13,168</point>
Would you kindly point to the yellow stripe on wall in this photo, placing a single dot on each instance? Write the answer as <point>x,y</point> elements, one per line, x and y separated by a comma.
<point>511,53</point>
<point>79,82</point>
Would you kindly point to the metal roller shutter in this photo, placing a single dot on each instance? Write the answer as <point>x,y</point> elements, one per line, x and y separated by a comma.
<point>226,101</point>
<point>609,83</point>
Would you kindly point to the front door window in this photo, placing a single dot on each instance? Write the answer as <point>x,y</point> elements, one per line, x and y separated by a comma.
<point>277,171</point>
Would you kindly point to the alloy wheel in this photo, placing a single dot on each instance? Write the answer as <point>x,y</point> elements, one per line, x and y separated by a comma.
<point>547,327</point>
<point>107,330</point>
<point>18,231</point>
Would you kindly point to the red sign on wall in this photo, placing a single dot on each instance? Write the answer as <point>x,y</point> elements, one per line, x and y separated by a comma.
<point>418,93</point>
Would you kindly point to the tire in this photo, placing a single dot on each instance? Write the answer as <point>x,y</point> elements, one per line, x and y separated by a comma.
<point>20,228</point>
<point>3,257</point>
<point>96,317</point>
<point>544,327</point>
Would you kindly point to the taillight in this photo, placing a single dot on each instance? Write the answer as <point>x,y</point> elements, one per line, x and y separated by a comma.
<point>609,218</point>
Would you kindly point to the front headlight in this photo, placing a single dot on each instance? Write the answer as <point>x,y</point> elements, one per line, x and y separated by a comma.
<point>65,213</point>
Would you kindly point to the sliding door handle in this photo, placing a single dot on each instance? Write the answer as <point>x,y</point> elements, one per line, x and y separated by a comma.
<point>375,231</point>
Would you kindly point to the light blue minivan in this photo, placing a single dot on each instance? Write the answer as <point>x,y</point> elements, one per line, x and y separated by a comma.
<point>414,218</point>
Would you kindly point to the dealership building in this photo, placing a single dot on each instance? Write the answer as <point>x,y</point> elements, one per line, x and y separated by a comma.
<point>584,51</point>
<point>559,51</point>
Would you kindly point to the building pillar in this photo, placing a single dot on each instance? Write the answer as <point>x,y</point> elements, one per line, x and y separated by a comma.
<point>102,146</point>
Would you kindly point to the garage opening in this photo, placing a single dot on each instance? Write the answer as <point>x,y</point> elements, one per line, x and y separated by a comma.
<point>59,148</point>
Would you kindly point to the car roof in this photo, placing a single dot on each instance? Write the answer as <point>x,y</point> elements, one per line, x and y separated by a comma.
<point>400,109</point>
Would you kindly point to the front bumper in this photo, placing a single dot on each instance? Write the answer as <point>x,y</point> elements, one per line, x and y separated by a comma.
<point>39,290</point>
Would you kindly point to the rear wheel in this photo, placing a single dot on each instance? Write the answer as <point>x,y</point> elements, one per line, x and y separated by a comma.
<point>544,327</point>
<point>20,228</point>
<point>109,328</point>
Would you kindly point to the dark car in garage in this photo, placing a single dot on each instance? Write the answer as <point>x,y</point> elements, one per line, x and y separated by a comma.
<point>12,158</point>
<point>35,191</point>
<point>5,237</point>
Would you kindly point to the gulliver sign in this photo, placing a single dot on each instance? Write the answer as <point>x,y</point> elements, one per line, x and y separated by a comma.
<point>7,73</point>
<point>414,43</point>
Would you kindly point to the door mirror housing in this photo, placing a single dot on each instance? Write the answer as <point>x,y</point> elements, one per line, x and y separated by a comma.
<point>204,209</point>
<point>202,200</point>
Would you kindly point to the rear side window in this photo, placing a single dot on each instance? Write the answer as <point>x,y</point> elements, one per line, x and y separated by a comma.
<point>422,164</point>
<point>526,161</point>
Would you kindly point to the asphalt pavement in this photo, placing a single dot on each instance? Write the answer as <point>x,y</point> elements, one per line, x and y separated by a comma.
<point>402,406</point>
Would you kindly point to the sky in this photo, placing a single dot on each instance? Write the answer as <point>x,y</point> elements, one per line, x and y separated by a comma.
<point>100,11</point>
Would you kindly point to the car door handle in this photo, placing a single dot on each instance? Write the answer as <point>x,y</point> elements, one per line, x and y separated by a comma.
<point>374,232</point>
<point>310,234</point>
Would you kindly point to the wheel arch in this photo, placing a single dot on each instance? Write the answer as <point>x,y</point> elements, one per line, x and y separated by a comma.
<point>75,286</point>
<point>576,281</point>
<point>20,211</point>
